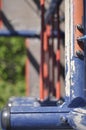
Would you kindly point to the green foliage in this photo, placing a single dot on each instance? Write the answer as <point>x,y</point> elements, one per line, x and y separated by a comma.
<point>12,64</point>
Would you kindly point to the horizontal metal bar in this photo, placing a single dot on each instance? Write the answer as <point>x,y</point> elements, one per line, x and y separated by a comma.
<point>22,33</point>
<point>55,34</point>
<point>45,109</point>
<point>29,34</point>
<point>33,117</point>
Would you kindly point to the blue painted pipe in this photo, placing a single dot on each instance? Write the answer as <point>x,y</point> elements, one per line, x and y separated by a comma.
<point>29,34</point>
<point>24,117</point>
<point>85,45</point>
<point>27,101</point>
<point>22,33</point>
<point>77,78</point>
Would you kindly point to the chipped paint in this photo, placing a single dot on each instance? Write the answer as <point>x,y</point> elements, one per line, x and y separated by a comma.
<point>67,50</point>
<point>77,119</point>
<point>72,77</point>
<point>74,82</point>
<point>70,66</point>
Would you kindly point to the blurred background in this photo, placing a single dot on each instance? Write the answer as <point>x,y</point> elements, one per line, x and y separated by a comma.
<point>22,15</point>
<point>12,68</point>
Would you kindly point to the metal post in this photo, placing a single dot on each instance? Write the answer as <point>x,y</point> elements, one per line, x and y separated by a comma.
<point>58,85</point>
<point>27,73</point>
<point>85,45</point>
<point>73,50</point>
<point>53,62</point>
<point>45,65</point>
<point>42,51</point>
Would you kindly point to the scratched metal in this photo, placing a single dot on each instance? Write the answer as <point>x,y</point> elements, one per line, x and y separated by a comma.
<point>74,66</point>
<point>77,118</point>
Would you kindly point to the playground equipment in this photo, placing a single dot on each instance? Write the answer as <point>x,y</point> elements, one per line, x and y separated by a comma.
<point>48,113</point>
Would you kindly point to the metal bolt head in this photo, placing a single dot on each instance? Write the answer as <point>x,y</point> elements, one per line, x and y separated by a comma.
<point>63,119</point>
<point>80,28</point>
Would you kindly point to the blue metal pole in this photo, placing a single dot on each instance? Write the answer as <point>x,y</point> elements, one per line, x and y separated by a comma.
<point>85,45</point>
<point>24,117</point>
<point>27,33</point>
<point>23,33</point>
<point>77,117</point>
<point>74,60</point>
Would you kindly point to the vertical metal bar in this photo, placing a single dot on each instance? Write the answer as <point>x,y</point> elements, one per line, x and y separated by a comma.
<point>0,13</point>
<point>48,29</point>
<point>78,21</point>
<point>49,66</point>
<point>27,65</point>
<point>52,56</point>
<point>68,41</point>
<point>85,46</point>
<point>58,85</point>
<point>77,88</point>
<point>42,53</point>
<point>45,65</point>
<point>74,64</point>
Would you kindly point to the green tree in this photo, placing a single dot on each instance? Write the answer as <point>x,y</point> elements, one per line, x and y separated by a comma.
<point>12,64</point>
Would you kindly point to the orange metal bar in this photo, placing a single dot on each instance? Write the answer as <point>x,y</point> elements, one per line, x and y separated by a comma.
<point>78,20</point>
<point>42,51</point>
<point>0,13</point>
<point>46,69</point>
<point>58,84</point>
<point>27,73</point>
<point>42,2</point>
<point>45,65</point>
<point>52,54</point>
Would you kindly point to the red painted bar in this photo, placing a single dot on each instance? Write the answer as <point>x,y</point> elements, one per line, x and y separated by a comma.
<point>45,65</point>
<point>53,62</point>
<point>58,84</point>
<point>78,20</point>
<point>42,51</point>
<point>27,70</point>
<point>46,49</point>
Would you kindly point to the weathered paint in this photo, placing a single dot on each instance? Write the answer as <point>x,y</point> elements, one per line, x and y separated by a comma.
<point>85,45</point>
<point>77,119</point>
<point>74,66</point>
<point>77,65</point>
<point>67,49</point>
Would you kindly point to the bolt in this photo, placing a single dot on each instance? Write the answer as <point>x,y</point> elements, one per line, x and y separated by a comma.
<point>79,40</point>
<point>80,28</point>
<point>80,54</point>
<point>63,119</point>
